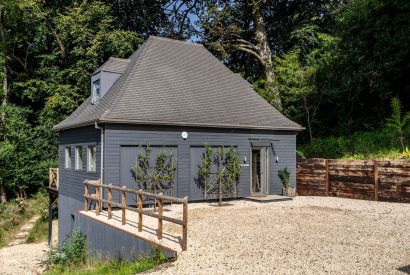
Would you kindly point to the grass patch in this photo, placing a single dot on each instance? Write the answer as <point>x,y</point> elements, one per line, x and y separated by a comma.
<point>94,267</point>
<point>39,232</point>
<point>13,214</point>
<point>72,258</point>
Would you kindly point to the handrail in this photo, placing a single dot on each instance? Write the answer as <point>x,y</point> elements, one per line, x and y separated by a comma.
<point>123,206</point>
<point>133,191</point>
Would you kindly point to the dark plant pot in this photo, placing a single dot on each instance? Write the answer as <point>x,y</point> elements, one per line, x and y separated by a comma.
<point>288,192</point>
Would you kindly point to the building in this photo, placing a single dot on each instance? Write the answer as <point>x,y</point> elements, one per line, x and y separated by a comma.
<point>176,95</point>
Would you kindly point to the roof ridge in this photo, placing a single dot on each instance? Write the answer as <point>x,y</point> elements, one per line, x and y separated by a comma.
<point>120,59</point>
<point>175,40</point>
<point>133,61</point>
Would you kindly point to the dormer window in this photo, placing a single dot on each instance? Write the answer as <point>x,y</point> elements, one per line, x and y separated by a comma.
<point>96,91</point>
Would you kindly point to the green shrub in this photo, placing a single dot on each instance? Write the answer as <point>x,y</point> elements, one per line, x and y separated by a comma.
<point>15,212</point>
<point>72,252</point>
<point>65,261</point>
<point>379,144</point>
<point>284,176</point>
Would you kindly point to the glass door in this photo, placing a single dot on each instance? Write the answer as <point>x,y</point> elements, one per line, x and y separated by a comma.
<point>259,177</point>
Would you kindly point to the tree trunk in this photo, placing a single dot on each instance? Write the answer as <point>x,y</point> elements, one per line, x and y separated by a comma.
<point>263,48</point>
<point>261,38</point>
<point>4,53</point>
<point>3,196</point>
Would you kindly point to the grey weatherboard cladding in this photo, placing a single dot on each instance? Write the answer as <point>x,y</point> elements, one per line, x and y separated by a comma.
<point>128,137</point>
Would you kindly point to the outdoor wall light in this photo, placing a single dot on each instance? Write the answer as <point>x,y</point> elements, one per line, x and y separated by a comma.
<point>244,160</point>
<point>184,135</point>
<point>277,159</point>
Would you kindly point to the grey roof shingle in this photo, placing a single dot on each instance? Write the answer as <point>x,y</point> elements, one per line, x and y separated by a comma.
<point>172,82</point>
<point>114,65</point>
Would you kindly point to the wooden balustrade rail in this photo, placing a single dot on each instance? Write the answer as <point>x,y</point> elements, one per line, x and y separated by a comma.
<point>140,194</point>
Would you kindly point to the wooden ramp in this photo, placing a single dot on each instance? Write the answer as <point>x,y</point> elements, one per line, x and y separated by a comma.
<point>170,240</point>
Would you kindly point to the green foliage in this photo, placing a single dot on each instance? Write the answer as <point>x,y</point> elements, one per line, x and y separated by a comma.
<point>232,167</point>
<point>165,169</point>
<point>284,176</point>
<point>161,177</point>
<point>39,232</point>
<point>52,49</point>
<point>72,252</point>
<point>396,123</point>
<point>227,163</point>
<point>364,145</point>
<point>204,169</point>
<point>406,153</point>
<point>72,258</point>
<point>141,169</point>
<point>14,213</point>
<point>108,267</point>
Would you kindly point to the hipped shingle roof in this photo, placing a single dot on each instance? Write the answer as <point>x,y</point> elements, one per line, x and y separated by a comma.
<point>170,82</point>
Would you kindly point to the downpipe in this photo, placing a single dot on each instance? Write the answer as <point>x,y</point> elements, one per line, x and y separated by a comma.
<point>102,155</point>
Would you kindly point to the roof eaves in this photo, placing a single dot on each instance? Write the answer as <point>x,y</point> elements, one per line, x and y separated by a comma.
<point>57,128</point>
<point>173,123</point>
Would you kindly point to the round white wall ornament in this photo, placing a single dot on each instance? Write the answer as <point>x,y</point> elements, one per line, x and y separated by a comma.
<point>184,135</point>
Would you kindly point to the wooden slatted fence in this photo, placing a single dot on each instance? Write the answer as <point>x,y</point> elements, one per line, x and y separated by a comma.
<point>358,179</point>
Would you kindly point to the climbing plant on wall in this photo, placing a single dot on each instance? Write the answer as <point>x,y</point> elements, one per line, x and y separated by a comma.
<point>161,176</point>
<point>141,169</point>
<point>164,172</point>
<point>227,164</point>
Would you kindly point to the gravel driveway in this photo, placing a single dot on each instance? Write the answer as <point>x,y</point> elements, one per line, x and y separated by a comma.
<point>309,235</point>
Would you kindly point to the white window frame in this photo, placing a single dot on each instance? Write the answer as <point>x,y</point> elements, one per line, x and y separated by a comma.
<point>95,97</point>
<point>67,157</point>
<point>79,158</point>
<point>90,167</point>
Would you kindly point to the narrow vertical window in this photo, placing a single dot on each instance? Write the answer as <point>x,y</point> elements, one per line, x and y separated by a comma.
<point>68,157</point>
<point>96,91</point>
<point>91,158</point>
<point>78,158</point>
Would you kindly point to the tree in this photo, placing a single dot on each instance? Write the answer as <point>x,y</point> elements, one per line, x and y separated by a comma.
<point>3,197</point>
<point>396,122</point>
<point>227,164</point>
<point>367,66</point>
<point>241,27</point>
<point>159,177</point>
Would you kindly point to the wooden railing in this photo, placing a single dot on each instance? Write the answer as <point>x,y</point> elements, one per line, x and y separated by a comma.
<point>53,178</point>
<point>160,198</point>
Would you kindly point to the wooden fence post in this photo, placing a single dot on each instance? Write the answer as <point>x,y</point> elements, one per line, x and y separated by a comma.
<point>109,201</point>
<point>123,204</point>
<point>376,180</point>
<point>85,195</point>
<point>160,213</point>
<point>327,177</point>
<point>98,202</point>
<point>185,224</point>
<point>139,211</point>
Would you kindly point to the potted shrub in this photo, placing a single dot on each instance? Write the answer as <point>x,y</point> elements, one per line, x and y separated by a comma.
<point>284,176</point>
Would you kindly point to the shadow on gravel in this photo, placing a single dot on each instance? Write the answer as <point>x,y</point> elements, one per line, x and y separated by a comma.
<point>405,269</point>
